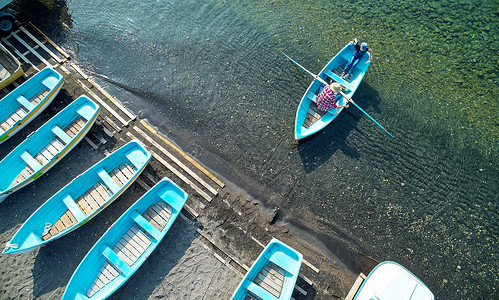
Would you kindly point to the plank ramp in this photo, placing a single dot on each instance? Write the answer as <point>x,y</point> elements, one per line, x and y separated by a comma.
<point>22,111</point>
<point>132,245</point>
<point>91,200</point>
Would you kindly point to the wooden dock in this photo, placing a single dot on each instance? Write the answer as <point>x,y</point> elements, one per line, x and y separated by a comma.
<point>116,123</point>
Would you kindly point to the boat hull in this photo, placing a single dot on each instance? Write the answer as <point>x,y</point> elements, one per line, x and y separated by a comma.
<point>309,119</point>
<point>10,65</point>
<point>273,275</point>
<point>114,266</point>
<point>22,166</point>
<point>391,281</point>
<point>81,199</point>
<point>15,114</point>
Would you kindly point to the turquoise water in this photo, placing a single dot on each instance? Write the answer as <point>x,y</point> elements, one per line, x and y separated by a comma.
<point>210,74</point>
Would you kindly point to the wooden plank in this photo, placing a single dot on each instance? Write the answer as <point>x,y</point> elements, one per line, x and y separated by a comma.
<point>132,244</point>
<point>103,191</point>
<point>115,178</point>
<point>164,212</point>
<point>58,224</point>
<point>127,170</point>
<point>84,206</point>
<point>21,112</point>
<point>31,49</point>
<point>150,219</point>
<point>187,157</point>
<point>10,121</point>
<point>120,176</point>
<point>48,156</point>
<point>111,269</point>
<point>97,196</point>
<point>71,217</point>
<point>277,268</point>
<point>143,239</point>
<point>66,221</point>
<point>124,253</point>
<point>177,161</point>
<point>53,231</point>
<point>52,150</point>
<point>266,287</point>
<point>15,117</point>
<point>23,57</point>
<point>39,43</point>
<point>4,126</point>
<point>165,206</point>
<point>273,279</point>
<point>80,122</point>
<point>90,201</point>
<point>40,158</point>
<point>106,272</point>
<point>57,144</point>
<point>159,217</point>
<point>274,272</point>
<point>69,132</point>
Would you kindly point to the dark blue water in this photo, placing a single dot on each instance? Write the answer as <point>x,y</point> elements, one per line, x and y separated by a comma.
<point>210,74</point>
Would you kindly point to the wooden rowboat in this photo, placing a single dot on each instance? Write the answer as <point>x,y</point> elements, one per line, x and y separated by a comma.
<point>47,145</point>
<point>127,243</point>
<point>309,119</point>
<point>391,281</point>
<point>10,67</point>
<point>273,275</point>
<point>81,199</point>
<point>23,104</point>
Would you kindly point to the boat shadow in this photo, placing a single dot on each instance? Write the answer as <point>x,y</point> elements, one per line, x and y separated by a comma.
<point>317,149</point>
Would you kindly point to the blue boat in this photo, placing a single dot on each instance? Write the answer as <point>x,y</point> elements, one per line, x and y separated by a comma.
<point>45,147</point>
<point>81,199</point>
<point>309,119</point>
<point>273,275</point>
<point>127,243</point>
<point>27,101</point>
<point>391,281</point>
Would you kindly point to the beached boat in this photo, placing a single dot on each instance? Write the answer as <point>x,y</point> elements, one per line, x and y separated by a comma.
<point>273,275</point>
<point>391,281</point>
<point>81,199</point>
<point>127,243</point>
<point>45,147</point>
<point>10,67</point>
<point>27,101</point>
<point>309,119</point>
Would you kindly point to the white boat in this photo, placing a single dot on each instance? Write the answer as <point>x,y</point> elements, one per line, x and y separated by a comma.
<point>391,281</point>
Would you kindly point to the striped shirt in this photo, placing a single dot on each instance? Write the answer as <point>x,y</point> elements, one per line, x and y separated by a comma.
<point>326,100</point>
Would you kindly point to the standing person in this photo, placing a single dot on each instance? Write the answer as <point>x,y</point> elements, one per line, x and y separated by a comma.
<point>360,49</point>
<point>329,96</point>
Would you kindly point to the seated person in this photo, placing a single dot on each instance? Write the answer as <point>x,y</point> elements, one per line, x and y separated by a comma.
<point>329,96</point>
<point>360,49</point>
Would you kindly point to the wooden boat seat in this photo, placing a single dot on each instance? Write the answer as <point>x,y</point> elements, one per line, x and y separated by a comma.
<point>133,244</point>
<point>63,136</point>
<point>271,279</point>
<point>90,201</point>
<point>337,78</point>
<point>113,258</point>
<point>73,208</point>
<point>31,161</point>
<point>25,103</point>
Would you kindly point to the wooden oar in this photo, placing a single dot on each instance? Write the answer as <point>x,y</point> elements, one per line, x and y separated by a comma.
<point>344,95</point>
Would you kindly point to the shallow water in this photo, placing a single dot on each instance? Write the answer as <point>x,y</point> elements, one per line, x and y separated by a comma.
<point>210,74</point>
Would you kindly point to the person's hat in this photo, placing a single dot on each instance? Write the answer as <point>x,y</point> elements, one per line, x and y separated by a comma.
<point>335,87</point>
<point>363,46</point>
